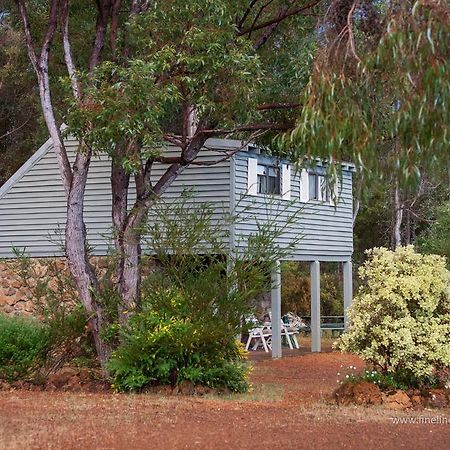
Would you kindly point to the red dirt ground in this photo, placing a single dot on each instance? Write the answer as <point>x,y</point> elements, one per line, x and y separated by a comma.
<point>290,407</point>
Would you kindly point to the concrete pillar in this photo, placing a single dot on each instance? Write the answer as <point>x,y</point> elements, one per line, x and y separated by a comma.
<point>276,310</point>
<point>315,307</point>
<point>348,291</point>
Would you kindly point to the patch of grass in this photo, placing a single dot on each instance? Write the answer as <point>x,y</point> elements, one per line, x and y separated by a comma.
<point>267,392</point>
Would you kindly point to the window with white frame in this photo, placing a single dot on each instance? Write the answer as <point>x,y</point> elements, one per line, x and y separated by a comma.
<point>269,179</point>
<point>318,188</point>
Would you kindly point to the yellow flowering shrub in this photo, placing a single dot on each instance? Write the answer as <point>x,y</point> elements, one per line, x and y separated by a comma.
<point>400,317</point>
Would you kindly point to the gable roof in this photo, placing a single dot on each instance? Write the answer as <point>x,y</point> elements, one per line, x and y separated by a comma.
<point>26,167</point>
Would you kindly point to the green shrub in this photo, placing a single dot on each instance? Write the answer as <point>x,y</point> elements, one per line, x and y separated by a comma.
<point>169,345</point>
<point>57,305</point>
<point>437,238</point>
<point>24,344</point>
<point>400,379</point>
<point>193,302</point>
<point>400,318</point>
<point>296,292</point>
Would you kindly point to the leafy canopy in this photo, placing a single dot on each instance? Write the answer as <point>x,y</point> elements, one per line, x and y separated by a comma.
<point>182,53</point>
<point>380,91</point>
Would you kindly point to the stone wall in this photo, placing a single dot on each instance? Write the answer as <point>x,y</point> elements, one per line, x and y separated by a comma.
<point>16,297</point>
<point>17,285</point>
<point>17,294</point>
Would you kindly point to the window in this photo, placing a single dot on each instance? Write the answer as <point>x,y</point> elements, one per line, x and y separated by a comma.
<point>313,186</point>
<point>318,188</point>
<point>269,180</point>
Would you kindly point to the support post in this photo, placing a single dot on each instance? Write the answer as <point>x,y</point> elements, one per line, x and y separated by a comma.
<point>315,307</point>
<point>348,291</point>
<point>276,310</point>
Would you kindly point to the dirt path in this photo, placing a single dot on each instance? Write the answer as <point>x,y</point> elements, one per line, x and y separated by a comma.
<point>289,408</point>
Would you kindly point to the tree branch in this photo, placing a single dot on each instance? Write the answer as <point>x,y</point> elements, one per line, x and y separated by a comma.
<point>104,7</point>
<point>283,14</point>
<point>258,15</point>
<point>270,106</point>
<point>246,13</point>
<point>15,129</point>
<point>172,139</point>
<point>68,57</point>
<point>41,67</point>
<point>250,127</point>
<point>28,37</point>
<point>114,26</point>
<point>49,34</point>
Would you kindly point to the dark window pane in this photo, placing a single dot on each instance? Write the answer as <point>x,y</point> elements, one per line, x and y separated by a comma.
<point>268,180</point>
<point>313,186</point>
<point>262,184</point>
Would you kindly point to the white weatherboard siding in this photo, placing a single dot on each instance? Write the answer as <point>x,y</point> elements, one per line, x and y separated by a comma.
<point>326,230</point>
<point>33,208</point>
<point>33,205</point>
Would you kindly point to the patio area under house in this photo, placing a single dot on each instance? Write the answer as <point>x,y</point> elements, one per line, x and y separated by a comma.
<point>250,184</point>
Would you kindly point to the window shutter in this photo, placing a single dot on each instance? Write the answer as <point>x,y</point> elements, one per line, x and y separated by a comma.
<point>286,182</point>
<point>252,176</point>
<point>304,186</point>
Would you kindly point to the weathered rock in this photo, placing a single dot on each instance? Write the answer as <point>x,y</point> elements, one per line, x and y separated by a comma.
<point>16,284</point>
<point>417,402</point>
<point>186,388</point>
<point>4,386</point>
<point>203,390</point>
<point>362,393</point>
<point>398,400</point>
<point>436,398</point>
<point>61,378</point>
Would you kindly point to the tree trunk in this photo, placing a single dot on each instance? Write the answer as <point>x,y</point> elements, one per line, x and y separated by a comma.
<point>77,255</point>
<point>130,239</point>
<point>398,217</point>
<point>120,181</point>
<point>408,228</point>
<point>130,280</point>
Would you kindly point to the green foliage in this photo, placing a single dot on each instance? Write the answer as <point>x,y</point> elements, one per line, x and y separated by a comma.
<point>183,53</point>
<point>160,348</point>
<point>437,238</point>
<point>24,344</point>
<point>400,379</point>
<point>400,319</point>
<point>193,300</point>
<point>296,291</point>
<point>56,304</point>
<point>387,92</point>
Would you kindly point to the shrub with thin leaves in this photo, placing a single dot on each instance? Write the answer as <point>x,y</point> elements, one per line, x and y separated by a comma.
<point>24,344</point>
<point>166,349</point>
<point>193,302</point>
<point>400,318</point>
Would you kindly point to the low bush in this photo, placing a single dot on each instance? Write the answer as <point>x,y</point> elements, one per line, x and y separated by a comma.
<point>178,336</point>
<point>24,344</point>
<point>57,306</point>
<point>400,318</point>
<point>193,304</point>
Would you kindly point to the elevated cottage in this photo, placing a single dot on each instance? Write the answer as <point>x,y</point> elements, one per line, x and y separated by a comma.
<point>254,186</point>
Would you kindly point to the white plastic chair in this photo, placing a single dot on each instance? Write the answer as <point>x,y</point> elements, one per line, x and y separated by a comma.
<point>261,335</point>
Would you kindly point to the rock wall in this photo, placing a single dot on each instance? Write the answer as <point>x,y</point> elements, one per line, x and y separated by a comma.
<point>17,282</point>
<point>15,296</point>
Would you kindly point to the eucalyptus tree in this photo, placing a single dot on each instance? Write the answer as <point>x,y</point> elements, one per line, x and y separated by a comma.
<point>379,94</point>
<point>158,73</point>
